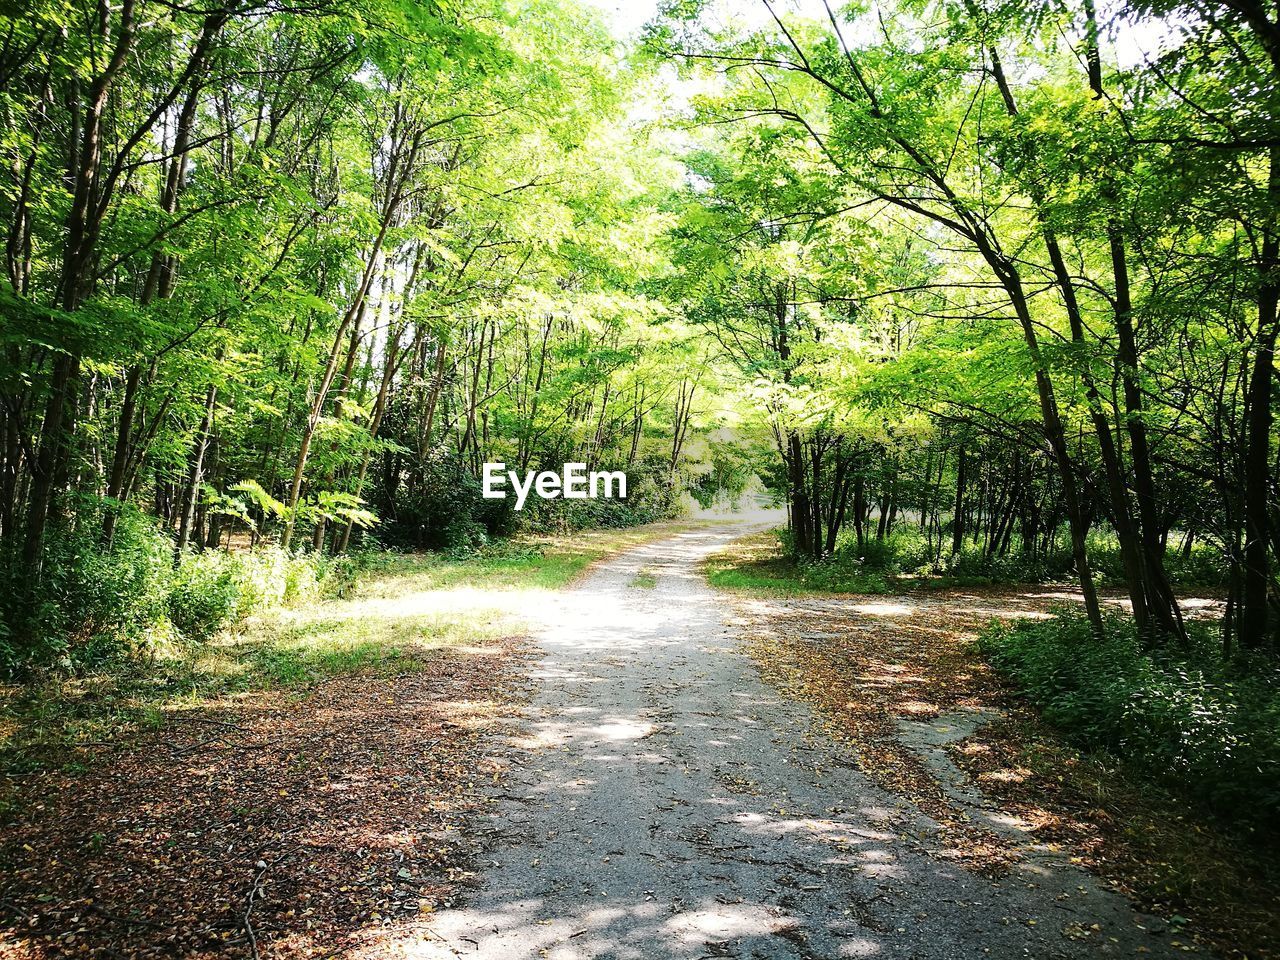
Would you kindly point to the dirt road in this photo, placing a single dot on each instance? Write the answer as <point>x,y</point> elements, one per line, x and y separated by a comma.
<point>671,804</point>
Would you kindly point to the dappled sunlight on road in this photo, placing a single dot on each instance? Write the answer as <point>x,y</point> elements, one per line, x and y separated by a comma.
<point>883,609</point>
<point>666,803</point>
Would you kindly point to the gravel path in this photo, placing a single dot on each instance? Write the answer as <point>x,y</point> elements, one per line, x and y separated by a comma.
<point>675,806</point>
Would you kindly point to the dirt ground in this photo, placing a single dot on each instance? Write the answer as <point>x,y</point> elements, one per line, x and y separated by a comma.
<point>899,679</point>
<point>281,825</point>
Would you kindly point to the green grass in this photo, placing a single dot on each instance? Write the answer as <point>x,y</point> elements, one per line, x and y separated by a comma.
<point>405,609</point>
<point>644,580</point>
<point>757,564</point>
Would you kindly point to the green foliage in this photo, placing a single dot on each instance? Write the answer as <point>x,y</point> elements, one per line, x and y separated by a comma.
<point>442,253</point>
<point>903,551</point>
<point>652,495</point>
<point>204,597</point>
<point>1210,729</point>
<point>1204,566</point>
<point>445,510</point>
<point>92,602</point>
<point>973,566</point>
<point>442,510</point>
<point>132,601</point>
<point>906,556</point>
<point>907,552</point>
<point>771,566</point>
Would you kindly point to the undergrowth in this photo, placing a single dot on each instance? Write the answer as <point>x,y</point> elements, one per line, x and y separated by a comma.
<point>1207,728</point>
<point>768,562</point>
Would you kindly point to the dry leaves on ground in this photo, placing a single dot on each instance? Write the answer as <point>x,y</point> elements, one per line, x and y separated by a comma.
<point>276,826</point>
<point>868,663</point>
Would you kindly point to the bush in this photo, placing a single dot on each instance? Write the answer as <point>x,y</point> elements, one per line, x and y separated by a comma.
<point>974,566</point>
<point>1205,566</point>
<point>843,572</point>
<point>94,604</point>
<point>205,596</point>
<point>443,509</point>
<point>1211,729</point>
<point>262,577</point>
<point>90,602</point>
<point>903,550</point>
<point>907,551</point>
<point>650,498</point>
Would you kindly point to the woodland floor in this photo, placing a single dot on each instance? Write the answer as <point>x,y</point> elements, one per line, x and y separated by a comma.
<point>273,827</point>
<point>656,770</point>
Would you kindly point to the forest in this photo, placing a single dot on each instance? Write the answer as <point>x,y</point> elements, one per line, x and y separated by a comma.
<point>973,292</point>
<point>293,276</point>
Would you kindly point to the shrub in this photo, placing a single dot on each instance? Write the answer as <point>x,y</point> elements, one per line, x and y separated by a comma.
<point>846,571</point>
<point>234,586</point>
<point>875,554</point>
<point>205,596</point>
<point>442,509</point>
<point>974,566</point>
<point>903,550</point>
<point>303,574</point>
<point>1205,566</point>
<point>906,550</point>
<point>90,602</point>
<point>94,604</point>
<point>1209,728</point>
<point>651,496</point>
<point>839,576</point>
<point>263,580</point>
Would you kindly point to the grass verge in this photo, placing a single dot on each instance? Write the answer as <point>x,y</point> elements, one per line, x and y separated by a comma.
<point>757,564</point>
<point>407,609</point>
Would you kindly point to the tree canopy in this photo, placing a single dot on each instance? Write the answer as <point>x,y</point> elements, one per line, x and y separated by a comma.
<point>1003,273</point>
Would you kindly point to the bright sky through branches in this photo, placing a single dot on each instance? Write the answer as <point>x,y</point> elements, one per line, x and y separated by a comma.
<point>1134,43</point>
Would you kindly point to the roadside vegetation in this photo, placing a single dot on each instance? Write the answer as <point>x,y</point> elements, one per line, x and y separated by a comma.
<point>1205,729</point>
<point>907,560</point>
<point>272,622</point>
<point>1206,726</point>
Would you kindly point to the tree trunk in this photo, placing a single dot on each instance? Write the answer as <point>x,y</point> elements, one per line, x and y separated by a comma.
<point>1255,615</point>
<point>194,473</point>
<point>957,526</point>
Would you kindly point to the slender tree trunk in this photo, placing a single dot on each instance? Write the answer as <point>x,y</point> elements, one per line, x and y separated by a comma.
<point>194,474</point>
<point>799,500</point>
<point>1161,604</point>
<point>957,527</point>
<point>1255,615</point>
<point>1056,435</point>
